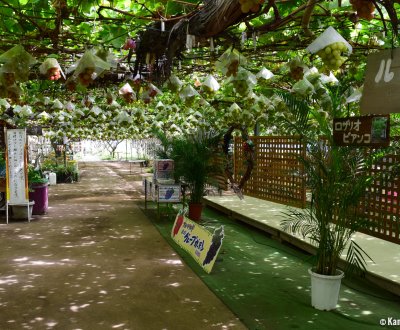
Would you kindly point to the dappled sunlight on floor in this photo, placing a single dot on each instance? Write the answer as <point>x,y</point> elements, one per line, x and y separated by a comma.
<point>94,261</point>
<point>255,274</point>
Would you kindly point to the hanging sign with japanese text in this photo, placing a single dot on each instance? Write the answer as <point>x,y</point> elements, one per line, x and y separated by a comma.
<point>362,131</point>
<point>382,83</point>
<point>202,245</point>
<point>17,183</point>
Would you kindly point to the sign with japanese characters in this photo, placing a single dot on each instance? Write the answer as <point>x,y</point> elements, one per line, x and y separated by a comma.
<point>201,244</point>
<point>382,83</point>
<point>17,183</point>
<point>362,131</point>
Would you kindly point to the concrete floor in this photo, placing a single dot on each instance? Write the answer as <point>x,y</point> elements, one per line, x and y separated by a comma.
<point>95,261</point>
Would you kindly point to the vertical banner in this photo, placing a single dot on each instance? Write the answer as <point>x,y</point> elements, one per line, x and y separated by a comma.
<point>197,241</point>
<point>17,185</point>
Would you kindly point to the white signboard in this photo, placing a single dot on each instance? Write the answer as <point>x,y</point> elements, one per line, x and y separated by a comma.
<point>169,193</point>
<point>17,192</point>
<point>382,83</point>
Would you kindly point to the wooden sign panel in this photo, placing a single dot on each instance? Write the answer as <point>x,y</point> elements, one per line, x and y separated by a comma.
<point>362,131</point>
<point>382,83</point>
<point>17,192</point>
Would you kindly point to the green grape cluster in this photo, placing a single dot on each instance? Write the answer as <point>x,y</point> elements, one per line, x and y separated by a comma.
<point>331,55</point>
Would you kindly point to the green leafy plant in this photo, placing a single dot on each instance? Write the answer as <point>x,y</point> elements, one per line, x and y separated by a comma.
<point>35,177</point>
<point>67,173</point>
<point>192,155</point>
<point>338,178</point>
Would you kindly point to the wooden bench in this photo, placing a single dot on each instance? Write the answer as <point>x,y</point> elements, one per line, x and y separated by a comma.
<point>141,162</point>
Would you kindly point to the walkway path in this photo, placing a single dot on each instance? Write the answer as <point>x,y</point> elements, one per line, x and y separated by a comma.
<point>96,262</point>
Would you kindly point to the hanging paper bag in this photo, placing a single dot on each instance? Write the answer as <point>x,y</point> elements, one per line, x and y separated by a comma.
<point>331,47</point>
<point>88,68</point>
<point>51,69</point>
<point>229,62</point>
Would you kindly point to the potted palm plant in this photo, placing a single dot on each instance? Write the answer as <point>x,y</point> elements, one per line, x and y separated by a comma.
<point>192,155</point>
<point>338,178</point>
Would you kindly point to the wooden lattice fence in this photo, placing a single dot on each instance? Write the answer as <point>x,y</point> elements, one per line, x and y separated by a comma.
<point>277,175</point>
<point>381,204</point>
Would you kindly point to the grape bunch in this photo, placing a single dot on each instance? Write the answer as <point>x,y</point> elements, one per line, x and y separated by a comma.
<point>331,55</point>
<point>250,5</point>
<point>70,84</point>
<point>109,98</point>
<point>86,76</point>
<point>54,73</point>
<point>129,97</point>
<point>9,78</point>
<point>232,68</point>
<point>241,86</point>
<point>129,44</point>
<point>296,68</point>
<point>364,8</point>
<point>297,72</point>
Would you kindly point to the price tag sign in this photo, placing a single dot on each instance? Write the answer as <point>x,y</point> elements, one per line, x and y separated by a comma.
<point>382,83</point>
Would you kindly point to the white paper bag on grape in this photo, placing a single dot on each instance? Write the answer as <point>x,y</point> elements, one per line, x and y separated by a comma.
<point>243,82</point>
<point>233,112</point>
<point>210,84</point>
<point>330,46</point>
<point>127,93</point>
<point>51,69</point>
<point>229,62</point>
<point>88,68</point>
<point>149,93</point>
<point>123,116</point>
<point>303,87</point>
<point>17,62</point>
<point>188,95</point>
<point>265,74</point>
<point>174,83</point>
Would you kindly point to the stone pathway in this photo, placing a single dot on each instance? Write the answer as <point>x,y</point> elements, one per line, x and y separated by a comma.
<point>95,261</point>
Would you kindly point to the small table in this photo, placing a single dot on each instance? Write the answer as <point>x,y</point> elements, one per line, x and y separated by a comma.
<point>163,193</point>
<point>141,162</point>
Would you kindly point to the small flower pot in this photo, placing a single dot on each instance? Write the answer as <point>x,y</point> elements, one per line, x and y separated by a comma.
<point>195,210</point>
<point>39,194</point>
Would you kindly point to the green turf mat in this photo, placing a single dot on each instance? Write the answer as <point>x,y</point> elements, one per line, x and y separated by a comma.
<point>266,283</point>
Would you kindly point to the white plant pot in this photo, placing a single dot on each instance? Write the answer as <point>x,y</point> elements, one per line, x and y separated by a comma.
<point>325,290</point>
<point>52,178</point>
